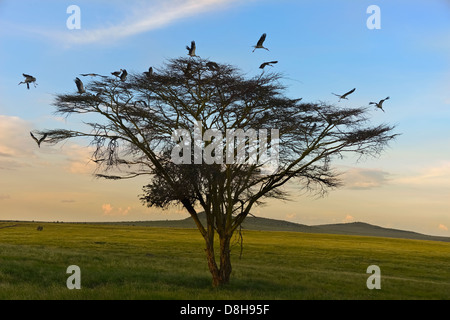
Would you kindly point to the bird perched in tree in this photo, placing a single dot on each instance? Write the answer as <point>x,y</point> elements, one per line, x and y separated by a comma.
<point>191,50</point>
<point>38,141</point>
<point>380,103</point>
<point>262,66</point>
<point>149,73</point>
<point>344,96</point>
<point>188,71</point>
<point>80,85</point>
<point>212,66</point>
<point>28,79</point>
<point>123,76</point>
<point>259,44</point>
<point>117,73</point>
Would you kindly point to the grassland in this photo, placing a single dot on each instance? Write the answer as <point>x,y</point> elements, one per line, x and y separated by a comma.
<point>135,262</point>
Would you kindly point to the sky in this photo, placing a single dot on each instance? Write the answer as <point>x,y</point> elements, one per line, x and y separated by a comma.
<point>322,47</point>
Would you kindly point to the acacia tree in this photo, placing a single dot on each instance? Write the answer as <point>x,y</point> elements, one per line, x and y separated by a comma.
<point>133,126</point>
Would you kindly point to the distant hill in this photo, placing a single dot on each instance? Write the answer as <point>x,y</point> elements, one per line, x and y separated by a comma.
<point>365,229</point>
<point>265,224</point>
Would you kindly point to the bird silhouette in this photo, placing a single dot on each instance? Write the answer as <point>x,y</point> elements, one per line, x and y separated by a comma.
<point>149,73</point>
<point>123,76</point>
<point>80,85</point>
<point>188,71</point>
<point>117,73</point>
<point>212,66</point>
<point>28,79</point>
<point>344,96</point>
<point>259,44</point>
<point>191,50</point>
<point>269,63</point>
<point>380,103</point>
<point>90,75</point>
<point>39,141</point>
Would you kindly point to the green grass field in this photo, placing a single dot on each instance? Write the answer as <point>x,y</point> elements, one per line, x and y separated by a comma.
<point>126,262</point>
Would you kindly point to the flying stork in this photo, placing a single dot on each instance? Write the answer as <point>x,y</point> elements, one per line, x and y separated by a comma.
<point>80,86</point>
<point>38,141</point>
<point>28,79</point>
<point>259,45</point>
<point>344,96</point>
<point>380,103</point>
<point>262,66</point>
<point>191,50</point>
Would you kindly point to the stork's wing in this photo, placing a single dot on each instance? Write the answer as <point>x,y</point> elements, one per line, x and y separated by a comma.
<point>263,65</point>
<point>27,75</point>
<point>79,84</point>
<point>124,74</point>
<point>261,40</point>
<point>273,62</point>
<point>347,93</point>
<point>34,138</point>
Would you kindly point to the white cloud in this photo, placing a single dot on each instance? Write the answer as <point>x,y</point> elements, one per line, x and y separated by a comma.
<point>349,218</point>
<point>290,216</point>
<point>78,158</point>
<point>16,145</point>
<point>356,178</point>
<point>109,210</point>
<point>142,17</point>
<point>435,175</point>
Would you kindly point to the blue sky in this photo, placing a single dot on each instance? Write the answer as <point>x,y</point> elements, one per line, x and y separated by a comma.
<point>322,47</point>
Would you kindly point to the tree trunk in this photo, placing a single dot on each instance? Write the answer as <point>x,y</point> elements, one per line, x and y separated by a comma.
<point>220,274</point>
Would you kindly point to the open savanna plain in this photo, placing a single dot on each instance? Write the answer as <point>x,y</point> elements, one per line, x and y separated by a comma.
<point>135,262</point>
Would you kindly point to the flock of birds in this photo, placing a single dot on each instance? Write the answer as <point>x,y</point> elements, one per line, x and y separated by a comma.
<point>122,75</point>
<point>378,104</point>
<point>260,45</point>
